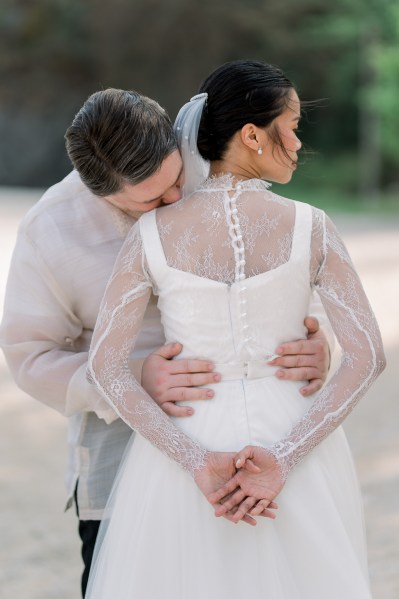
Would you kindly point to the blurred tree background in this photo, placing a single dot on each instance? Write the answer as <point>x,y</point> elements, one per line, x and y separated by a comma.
<point>54,53</point>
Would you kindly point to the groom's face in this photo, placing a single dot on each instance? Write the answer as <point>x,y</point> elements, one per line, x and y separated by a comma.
<point>163,187</point>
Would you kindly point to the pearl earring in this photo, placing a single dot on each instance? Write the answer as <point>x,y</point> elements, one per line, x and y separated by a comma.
<point>260,151</point>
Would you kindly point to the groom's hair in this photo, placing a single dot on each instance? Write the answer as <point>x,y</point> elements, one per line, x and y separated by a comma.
<point>118,137</point>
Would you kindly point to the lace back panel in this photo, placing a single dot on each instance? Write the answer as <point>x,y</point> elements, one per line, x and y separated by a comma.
<point>228,233</point>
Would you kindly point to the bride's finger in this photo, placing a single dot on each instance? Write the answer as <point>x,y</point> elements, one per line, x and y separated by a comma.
<point>247,518</point>
<point>245,508</point>
<point>227,489</point>
<point>259,508</point>
<point>230,503</point>
<point>268,513</point>
<point>262,506</point>
<point>247,453</point>
<point>251,467</point>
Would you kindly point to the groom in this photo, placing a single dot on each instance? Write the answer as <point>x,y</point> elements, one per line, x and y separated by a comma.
<point>125,155</point>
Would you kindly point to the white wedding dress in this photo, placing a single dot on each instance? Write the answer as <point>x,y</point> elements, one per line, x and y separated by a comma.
<point>234,266</point>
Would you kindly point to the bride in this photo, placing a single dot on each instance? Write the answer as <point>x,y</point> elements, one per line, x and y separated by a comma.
<point>233,265</point>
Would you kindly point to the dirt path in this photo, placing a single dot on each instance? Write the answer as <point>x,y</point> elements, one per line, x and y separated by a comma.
<point>39,552</point>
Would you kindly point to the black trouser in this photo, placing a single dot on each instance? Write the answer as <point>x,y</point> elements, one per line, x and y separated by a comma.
<point>88,531</point>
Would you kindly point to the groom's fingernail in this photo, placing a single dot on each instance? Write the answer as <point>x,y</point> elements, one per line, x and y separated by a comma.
<point>238,462</point>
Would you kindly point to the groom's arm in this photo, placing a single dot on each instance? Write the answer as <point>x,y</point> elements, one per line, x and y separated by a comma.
<point>41,336</point>
<point>170,380</point>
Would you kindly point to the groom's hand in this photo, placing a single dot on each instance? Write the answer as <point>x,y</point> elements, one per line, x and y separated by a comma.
<point>305,360</point>
<point>169,381</point>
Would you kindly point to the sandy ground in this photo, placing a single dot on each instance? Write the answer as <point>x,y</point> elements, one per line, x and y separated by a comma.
<point>39,550</point>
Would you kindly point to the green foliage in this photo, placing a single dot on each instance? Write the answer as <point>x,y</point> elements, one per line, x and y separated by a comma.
<point>54,53</point>
<point>384,97</point>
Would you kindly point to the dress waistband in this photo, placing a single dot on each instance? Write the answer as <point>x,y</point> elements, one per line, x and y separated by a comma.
<point>252,369</point>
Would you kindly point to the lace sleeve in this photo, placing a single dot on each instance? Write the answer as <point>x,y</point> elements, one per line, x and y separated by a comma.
<point>356,329</point>
<point>118,324</point>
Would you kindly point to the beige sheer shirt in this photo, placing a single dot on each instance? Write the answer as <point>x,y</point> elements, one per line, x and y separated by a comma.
<point>65,250</point>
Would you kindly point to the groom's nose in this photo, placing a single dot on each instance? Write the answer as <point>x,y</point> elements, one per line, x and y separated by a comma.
<point>172,195</point>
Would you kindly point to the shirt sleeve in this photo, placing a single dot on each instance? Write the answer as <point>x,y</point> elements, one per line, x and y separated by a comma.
<point>38,336</point>
<point>116,330</point>
<point>355,327</point>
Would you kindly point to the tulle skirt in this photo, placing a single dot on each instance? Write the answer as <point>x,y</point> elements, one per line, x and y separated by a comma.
<point>162,540</point>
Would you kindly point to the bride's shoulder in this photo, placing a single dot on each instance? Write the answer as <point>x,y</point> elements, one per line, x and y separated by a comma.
<point>275,203</point>
<point>317,213</point>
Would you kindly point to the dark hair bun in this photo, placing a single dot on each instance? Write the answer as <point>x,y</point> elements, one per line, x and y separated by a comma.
<point>239,92</point>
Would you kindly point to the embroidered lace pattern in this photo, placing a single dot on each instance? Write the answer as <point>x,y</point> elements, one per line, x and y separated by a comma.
<point>117,327</point>
<point>228,231</point>
<point>334,277</point>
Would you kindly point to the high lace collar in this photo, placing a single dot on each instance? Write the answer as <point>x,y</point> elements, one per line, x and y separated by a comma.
<point>229,182</point>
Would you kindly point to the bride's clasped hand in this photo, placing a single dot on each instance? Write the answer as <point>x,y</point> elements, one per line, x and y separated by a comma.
<point>242,485</point>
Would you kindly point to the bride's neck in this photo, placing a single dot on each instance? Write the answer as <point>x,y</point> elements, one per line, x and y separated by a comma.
<point>239,171</point>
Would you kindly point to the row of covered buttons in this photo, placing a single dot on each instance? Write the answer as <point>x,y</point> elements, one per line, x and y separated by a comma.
<point>240,264</point>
